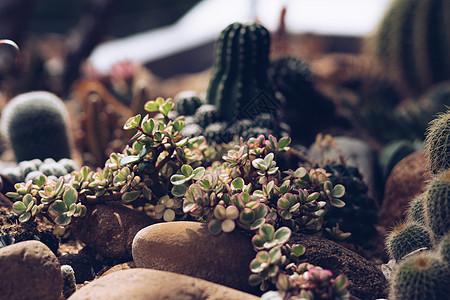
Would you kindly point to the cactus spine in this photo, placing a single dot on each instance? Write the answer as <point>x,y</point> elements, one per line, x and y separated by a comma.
<point>444,248</point>
<point>242,60</point>
<point>413,40</point>
<point>421,276</point>
<point>35,124</point>
<point>69,282</point>
<point>407,237</point>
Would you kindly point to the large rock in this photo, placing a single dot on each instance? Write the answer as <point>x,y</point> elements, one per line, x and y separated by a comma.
<point>188,248</point>
<point>29,270</point>
<point>144,284</point>
<point>366,281</point>
<point>110,228</point>
<point>407,179</point>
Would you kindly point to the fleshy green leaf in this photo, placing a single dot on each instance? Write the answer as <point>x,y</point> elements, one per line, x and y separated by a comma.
<point>62,220</point>
<point>59,206</point>
<point>128,160</point>
<point>237,183</point>
<point>19,207</point>
<point>130,196</point>
<point>282,235</point>
<point>337,203</point>
<point>177,179</point>
<point>24,217</point>
<point>338,191</point>
<point>186,170</point>
<point>215,226</point>
<point>70,196</point>
<point>267,232</point>
<point>132,122</point>
<point>298,250</point>
<point>151,106</point>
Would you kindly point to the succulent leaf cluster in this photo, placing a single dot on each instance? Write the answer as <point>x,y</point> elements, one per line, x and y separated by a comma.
<point>170,177</point>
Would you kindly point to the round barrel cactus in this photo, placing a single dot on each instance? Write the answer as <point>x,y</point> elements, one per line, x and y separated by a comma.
<point>421,276</point>
<point>35,124</point>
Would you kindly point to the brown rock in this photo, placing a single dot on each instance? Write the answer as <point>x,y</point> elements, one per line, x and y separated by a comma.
<point>29,270</point>
<point>366,281</point>
<point>120,267</point>
<point>188,248</point>
<point>110,229</point>
<point>144,284</point>
<point>407,179</point>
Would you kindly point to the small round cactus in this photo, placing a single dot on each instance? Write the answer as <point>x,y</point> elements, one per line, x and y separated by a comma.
<point>437,204</point>
<point>407,237</point>
<point>69,282</point>
<point>215,132</point>
<point>187,103</point>
<point>206,114</point>
<point>35,124</point>
<point>421,276</point>
<point>437,143</point>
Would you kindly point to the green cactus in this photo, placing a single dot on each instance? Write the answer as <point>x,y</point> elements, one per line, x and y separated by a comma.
<point>421,276</point>
<point>413,42</point>
<point>206,114</point>
<point>35,124</point>
<point>437,143</point>
<point>437,205</point>
<point>444,248</point>
<point>416,210</point>
<point>69,282</point>
<point>240,71</point>
<point>187,103</point>
<point>407,237</point>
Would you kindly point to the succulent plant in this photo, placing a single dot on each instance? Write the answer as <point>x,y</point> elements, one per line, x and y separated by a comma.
<point>421,275</point>
<point>437,205</point>
<point>406,238</point>
<point>358,217</point>
<point>69,282</point>
<point>410,42</point>
<point>436,143</point>
<point>240,70</point>
<point>162,172</point>
<point>35,124</point>
<point>187,103</point>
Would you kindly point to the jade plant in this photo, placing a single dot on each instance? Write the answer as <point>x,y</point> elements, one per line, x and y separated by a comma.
<point>172,177</point>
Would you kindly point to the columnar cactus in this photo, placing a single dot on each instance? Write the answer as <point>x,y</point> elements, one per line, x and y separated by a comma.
<point>407,237</point>
<point>412,41</point>
<point>444,248</point>
<point>421,276</point>
<point>437,205</point>
<point>35,124</point>
<point>240,72</point>
<point>437,143</point>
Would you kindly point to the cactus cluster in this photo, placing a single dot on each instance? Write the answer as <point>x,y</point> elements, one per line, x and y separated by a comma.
<point>413,42</point>
<point>427,227</point>
<point>30,169</point>
<point>36,126</point>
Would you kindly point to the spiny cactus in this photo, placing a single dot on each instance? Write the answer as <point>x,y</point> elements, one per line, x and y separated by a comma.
<point>437,205</point>
<point>240,71</point>
<point>421,276</point>
<point>444,248</point>
<point>406,238</point>
<point>437,142</point>
<point>206,114</point>
<point>413,42</point>
<point>187,103</point>
<point>69,283</point>
<point>35,124</point>
<point>416,209</point>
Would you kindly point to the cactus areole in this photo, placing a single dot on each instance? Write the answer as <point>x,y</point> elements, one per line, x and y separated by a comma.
<point>240,71</point>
